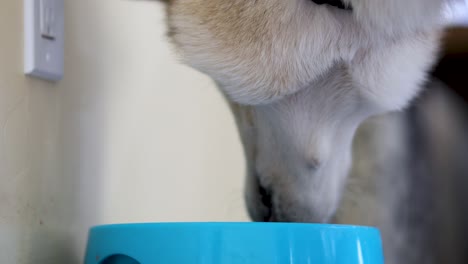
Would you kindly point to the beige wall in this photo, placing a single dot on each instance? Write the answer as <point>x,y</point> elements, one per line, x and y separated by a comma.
<point>129,135</point>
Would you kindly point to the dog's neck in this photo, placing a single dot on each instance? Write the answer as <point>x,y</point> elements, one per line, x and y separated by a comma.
<point>336,3</point>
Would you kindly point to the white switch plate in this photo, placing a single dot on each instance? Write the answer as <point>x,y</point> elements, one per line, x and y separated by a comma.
<point>44,38</point>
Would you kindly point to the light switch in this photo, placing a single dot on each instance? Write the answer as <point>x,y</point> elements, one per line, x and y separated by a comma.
<point>47,19</point>
<point>44,38</point>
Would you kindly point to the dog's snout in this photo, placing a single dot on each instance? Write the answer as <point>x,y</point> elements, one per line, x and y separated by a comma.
<point>336,3</point>
<point>266,198</point>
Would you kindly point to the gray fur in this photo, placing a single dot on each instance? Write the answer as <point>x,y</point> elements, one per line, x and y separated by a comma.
<point>300,79</point>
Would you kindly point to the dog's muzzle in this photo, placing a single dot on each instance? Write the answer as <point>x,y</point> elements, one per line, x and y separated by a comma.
<point>336,3</point>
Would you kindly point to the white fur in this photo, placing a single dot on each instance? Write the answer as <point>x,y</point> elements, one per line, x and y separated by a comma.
<point>308,75</point>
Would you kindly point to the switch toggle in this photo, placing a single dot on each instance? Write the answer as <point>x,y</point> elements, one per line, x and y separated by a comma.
<point>47,18</point>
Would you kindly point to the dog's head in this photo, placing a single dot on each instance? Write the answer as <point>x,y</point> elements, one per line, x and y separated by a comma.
<point>298,150</point>
<point>301,76</point>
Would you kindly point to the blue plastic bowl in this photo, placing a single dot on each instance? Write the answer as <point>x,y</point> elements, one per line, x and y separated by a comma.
<point>233,243</point>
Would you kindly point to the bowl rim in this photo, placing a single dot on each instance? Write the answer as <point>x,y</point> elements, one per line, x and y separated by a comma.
<point>208,225</point>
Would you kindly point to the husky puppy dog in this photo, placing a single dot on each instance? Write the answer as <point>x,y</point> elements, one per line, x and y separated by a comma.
<point>301,76</point>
